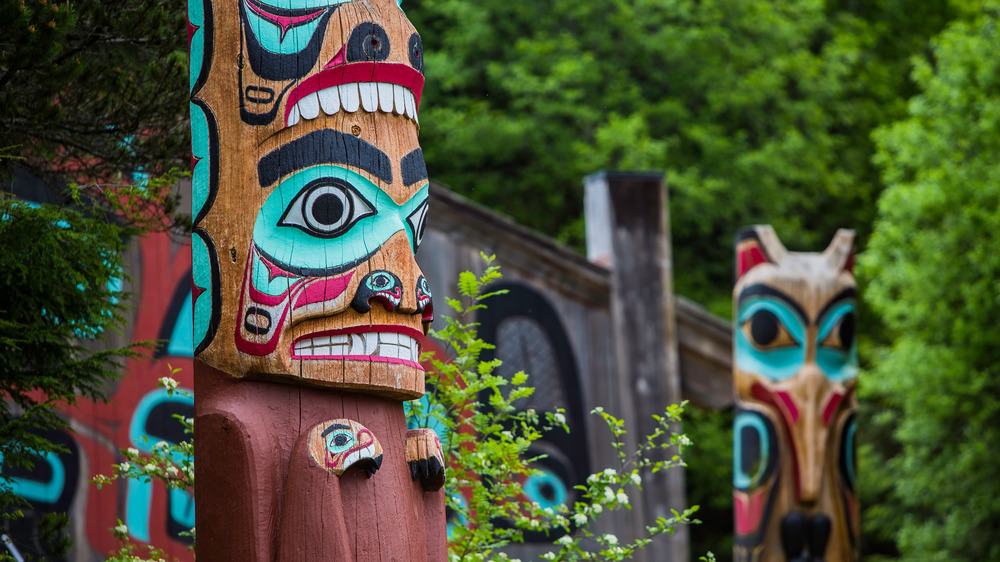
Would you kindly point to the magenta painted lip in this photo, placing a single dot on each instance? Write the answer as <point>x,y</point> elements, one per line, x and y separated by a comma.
<point>386,72</point>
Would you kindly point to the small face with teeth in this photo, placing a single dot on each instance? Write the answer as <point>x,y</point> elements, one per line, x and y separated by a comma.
<point>301,59</point>
<point>321,196</point>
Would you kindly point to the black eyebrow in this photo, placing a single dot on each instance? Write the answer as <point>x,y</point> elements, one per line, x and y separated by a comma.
<point>333,427</point>
<point>760,290</point>
<point>414,168</point>
<point>846,294</point>
<point>325,146</point>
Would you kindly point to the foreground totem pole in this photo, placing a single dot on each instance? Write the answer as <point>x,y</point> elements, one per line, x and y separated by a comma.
<point>309,200</point>
<point>795,374</point>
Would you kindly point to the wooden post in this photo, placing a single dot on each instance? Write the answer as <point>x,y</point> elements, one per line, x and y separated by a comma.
<point>309,200</point>
<point>628,230</point>
<point>795,372</point>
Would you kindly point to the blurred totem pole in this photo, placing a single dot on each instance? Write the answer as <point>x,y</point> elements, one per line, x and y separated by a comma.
<point>309,200</point>
<point>795,375</point>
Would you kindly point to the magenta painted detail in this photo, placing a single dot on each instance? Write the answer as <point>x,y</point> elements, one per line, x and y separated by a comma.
<point>325,289</point>
<point>286,22</point>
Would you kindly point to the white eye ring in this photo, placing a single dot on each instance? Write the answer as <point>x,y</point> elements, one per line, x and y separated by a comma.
<point>326,208</point>
<point>417,219</point>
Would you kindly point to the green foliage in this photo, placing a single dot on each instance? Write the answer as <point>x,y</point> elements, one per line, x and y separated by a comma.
<point>94,88</point>
<point>486,443</point>
<point>758,111</point>
<point>932,267</point>
<point>57,302</point>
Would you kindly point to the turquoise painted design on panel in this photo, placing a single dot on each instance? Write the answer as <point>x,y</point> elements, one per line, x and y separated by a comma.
<point>326,218</point>
<point>742,480</point>
<point>35,491</point>
<point>201,172</point>
<point>181,342</point>
<point>850,430</point>
<point>292,39</point>
<point>775,364</point>
<point>262,280</point>
<point>201,273</point>
<point>140,493</point>
<point>182,507</point>
<point>838,364</point>
<point>196,17</point>
<point>534,485</point>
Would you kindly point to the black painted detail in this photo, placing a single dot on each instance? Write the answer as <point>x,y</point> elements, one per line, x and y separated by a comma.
<point>325,146</point>
<point>848,458</point>
<point>416,51</point>
<point>371,286</point>
<point>414,167</point>
<point>368,42</point>
<point>417,220</point>
<point>761,290</point>
<point>326,208</point>
<point>314,271</point>
<point>847,330</point>
<point>764,327</point>
<point>752,446</point>
<point>429,471</point>
<point>804,538</point>
<point>216,288</point>
<point>280,67</point>
<point>260,313</point>
<point>258,94</point>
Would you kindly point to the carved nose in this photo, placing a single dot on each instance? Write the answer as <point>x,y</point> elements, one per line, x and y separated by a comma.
<point>811,388</point>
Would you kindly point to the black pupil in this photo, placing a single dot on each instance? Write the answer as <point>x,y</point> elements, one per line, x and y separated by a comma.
<point>548,491</point>
<point>340,440</point>
<point>381,281</point>
<point>847,330</point>
<point>750,448</point>
<point>374,41</point>
<point>328,209</point>
<point>764,327</point>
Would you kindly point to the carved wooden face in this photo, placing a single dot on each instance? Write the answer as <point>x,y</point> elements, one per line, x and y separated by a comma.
<point>795,373</point>
<point>310,193</point>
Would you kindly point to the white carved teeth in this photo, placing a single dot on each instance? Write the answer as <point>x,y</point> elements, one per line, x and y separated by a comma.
<point>374,344</point>
<point>370,96</point>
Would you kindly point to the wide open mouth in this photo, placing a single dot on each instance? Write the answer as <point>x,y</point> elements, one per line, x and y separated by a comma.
<point>386,87</point>
<point>380,343</point>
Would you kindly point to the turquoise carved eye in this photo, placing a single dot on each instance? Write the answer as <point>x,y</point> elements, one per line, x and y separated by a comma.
<point>338,441</point>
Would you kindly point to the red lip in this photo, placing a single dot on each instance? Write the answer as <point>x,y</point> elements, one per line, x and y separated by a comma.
<point>387,72</point>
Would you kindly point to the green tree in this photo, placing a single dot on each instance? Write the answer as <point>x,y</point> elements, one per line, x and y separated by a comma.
<point>932,268</point>
<point>759,111</point>
<point>93,89</point>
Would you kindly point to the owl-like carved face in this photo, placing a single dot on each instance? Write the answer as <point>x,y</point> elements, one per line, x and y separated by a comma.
<point>795,372</point>
<point>310,194</point>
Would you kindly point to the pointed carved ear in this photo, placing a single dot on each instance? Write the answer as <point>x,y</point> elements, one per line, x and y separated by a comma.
<point>840,253</point>
<point>756,245</point>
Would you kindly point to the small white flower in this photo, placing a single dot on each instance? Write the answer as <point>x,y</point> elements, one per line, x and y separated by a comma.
<point>559,418</point>
<point>125,467</point>
<point>598,508</point>
<point>534,524</point>
<point>609,495</point>
<point>172,470</point>
<point>580,519</point>
<point>564,540</point>
<point>622,497</point>
<point>121,529</point>
<point>636,479</point>
<point>132,452</point>
<point>611,539</point>
<point>150,467</point>
<point>610,472</point>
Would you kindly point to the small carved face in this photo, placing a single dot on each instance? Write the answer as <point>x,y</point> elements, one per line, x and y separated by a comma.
<point>309,223</point>
<point>337,445</point>
<point>795,373</point>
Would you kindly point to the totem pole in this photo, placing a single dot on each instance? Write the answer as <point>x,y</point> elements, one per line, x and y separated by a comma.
<point>794,373</point>
<point>309,201</point>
